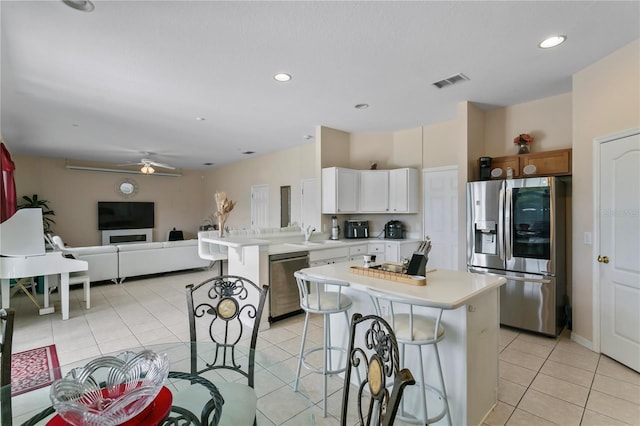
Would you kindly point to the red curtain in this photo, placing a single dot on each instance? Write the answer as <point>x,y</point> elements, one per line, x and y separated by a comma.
<point>8,200</point>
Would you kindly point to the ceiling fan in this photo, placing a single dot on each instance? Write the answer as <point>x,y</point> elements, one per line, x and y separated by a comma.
<point>148,164</point>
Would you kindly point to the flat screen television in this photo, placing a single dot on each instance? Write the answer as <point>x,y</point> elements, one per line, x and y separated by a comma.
<point>125,215</point>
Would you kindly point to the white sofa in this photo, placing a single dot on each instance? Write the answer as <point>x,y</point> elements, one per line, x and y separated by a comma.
<point>154,258</point>
<point>102,260</point>
<point>117,262</point>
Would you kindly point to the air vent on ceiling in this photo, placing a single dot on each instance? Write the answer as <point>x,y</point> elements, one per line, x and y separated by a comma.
<point>450,81</point>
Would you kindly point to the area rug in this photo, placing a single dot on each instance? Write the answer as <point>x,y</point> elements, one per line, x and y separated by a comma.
<point>34,369</point>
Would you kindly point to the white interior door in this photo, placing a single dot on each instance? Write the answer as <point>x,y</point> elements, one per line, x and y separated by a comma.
<point>310,207</point>
<point>619,254</point>
<point>259,206</point>
<point>440,197</point>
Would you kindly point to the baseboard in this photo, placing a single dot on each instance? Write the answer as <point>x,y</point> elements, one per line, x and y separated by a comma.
<point>582,341</point>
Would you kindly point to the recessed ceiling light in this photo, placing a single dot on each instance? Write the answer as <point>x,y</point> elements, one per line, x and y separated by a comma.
<point>248,152</point>
<point>282,77</point>
<point>552,41</point>
<point>308,137</point>
<point>200,118</point>
<point>208,164</point>
<point>81,5</point>
<point>361,106</point>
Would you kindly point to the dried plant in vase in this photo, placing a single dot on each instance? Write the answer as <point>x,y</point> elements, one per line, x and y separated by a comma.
<point>224,207</point>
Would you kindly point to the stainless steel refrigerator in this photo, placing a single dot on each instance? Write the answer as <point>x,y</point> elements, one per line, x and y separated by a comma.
<point>516,229</point>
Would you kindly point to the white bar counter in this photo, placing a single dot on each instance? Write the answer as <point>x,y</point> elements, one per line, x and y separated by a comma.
<point>469,351</point>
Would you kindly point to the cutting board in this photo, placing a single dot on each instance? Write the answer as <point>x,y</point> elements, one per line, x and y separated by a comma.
<point>389,276</point>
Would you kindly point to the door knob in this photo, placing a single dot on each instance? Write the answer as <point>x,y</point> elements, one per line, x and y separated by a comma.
<point>603,259</point>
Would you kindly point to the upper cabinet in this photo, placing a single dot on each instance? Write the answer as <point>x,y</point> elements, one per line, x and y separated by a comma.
<point>403,191</point>
<point>369,191</point>
<point>340,190</point>
<point>374,191</point>
<point>549,163</point>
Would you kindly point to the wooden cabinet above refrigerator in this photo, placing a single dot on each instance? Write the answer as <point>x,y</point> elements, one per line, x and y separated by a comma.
<point>548,163</point>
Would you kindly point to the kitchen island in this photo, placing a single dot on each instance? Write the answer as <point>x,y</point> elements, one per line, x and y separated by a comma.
<point>469,351</point>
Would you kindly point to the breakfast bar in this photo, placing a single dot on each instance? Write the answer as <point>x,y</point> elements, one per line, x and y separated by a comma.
<point>469,351</point>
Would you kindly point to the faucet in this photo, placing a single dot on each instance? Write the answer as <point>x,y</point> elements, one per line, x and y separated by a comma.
<point>307,232</point>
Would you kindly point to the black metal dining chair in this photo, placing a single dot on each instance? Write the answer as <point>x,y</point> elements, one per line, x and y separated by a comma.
<point>377,354</point>
<point>226,310</point>
<point>6,338</point>
<point>209,414</point>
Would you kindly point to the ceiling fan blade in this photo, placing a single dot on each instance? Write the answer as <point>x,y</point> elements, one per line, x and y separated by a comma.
<point>130,164</point>
<point>162,165</point>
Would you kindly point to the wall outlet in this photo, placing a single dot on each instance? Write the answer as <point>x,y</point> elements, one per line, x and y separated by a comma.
<point>587,238</point>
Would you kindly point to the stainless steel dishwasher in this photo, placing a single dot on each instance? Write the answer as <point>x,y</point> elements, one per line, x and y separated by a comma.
<point>284,300</point>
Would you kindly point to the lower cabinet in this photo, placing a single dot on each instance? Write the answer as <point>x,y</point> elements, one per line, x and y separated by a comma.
<point>356,252</point>
<point>328,256</point>
<point>378,250</point>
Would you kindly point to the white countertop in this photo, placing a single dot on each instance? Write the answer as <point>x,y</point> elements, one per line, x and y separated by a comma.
<point>290,247</point>
<point>234,241</point>
<point>445,289</point>
<point>293,246</point>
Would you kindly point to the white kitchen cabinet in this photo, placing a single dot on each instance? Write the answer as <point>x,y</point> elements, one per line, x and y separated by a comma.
<point>392,252</point>
<point>340,190</point>
<point>328,256</point>
<point>374,191</point>
<point>378,250</point>
<point>395,251</point>
<point>365,191</point>
<point>356,252</point>
<point>403,190</point>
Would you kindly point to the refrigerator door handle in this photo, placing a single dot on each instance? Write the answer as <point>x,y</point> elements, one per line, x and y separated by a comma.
<point>507,225</point>
<point>501,224</point>
<point>512,277</point>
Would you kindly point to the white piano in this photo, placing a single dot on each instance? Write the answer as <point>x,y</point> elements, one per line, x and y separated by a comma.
<point>22,254</point>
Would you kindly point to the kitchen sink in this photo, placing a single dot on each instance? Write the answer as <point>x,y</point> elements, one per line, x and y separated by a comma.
<point>304,244</point>
<point>314,243</point>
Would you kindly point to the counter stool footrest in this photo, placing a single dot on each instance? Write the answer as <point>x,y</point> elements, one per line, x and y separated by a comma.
<point>441,414</point>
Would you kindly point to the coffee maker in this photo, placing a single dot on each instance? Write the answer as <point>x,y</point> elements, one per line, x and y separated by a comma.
<point>335,228</point>
<point>394,230</point>
<point>485,168</point>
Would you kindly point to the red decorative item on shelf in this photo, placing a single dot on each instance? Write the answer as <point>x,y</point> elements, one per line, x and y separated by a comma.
<point>523,140</point>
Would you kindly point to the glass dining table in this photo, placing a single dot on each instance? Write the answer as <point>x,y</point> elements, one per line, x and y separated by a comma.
<point>277,402</point>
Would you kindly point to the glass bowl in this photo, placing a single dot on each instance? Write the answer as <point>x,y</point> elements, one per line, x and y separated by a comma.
<point>110,390</point>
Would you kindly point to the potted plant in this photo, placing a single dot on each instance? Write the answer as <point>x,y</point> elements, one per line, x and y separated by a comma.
<point>34,203</point>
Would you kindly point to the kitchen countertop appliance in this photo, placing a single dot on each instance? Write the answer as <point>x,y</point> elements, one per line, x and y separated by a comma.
<point>394,230</point>
<point>516,229</point>
<point>356,229</point>
<point>284,299</point>
<point>335,228</point>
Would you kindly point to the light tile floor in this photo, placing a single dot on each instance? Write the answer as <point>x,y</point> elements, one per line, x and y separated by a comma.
<point>543,381</point>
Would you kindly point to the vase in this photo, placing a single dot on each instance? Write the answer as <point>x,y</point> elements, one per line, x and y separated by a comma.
<point>221,227</point>
<point>524,148</point>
